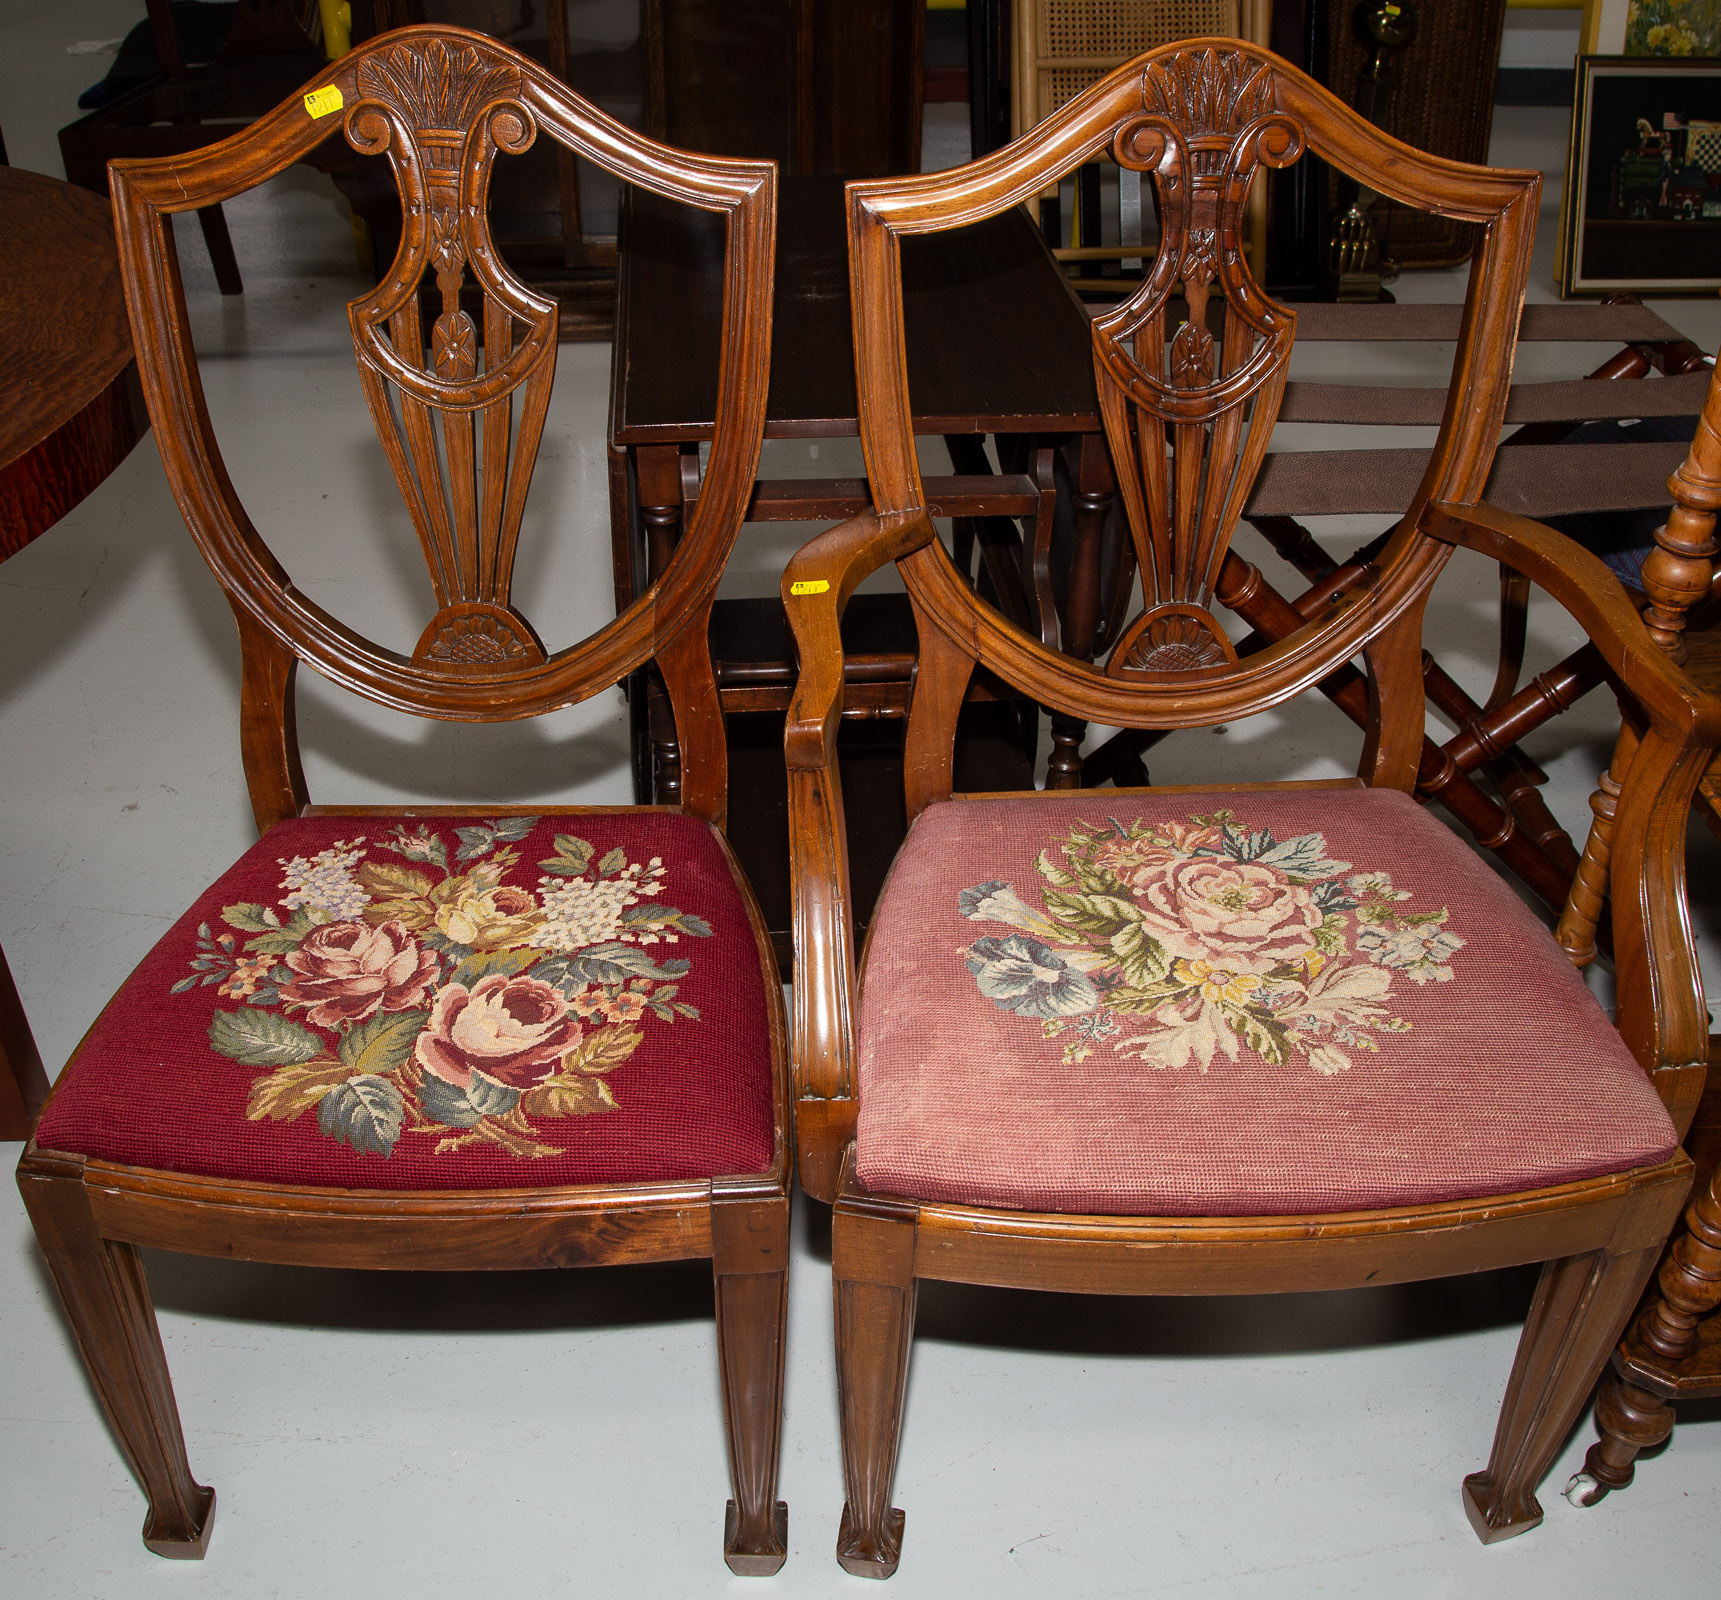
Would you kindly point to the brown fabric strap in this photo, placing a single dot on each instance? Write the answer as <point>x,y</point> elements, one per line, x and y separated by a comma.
<point>1574,400</point>
<point>1557,323</point>
<point>1545,480</point>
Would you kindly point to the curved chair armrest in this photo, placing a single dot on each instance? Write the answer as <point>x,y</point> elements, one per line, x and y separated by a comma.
<point>1660,1006</point>
<point>816,586</point>
<point>1583,584</point>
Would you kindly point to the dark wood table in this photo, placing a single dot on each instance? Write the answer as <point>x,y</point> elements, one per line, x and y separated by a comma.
<point>70,412</point>
<point>998,345</point>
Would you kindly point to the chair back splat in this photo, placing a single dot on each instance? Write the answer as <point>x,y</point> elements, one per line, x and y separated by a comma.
<point>460,418</point>
<point>1190,370</point>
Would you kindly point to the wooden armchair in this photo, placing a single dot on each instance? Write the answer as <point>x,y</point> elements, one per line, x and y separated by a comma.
<point>1233,1040</point>
<point>440,1037</point>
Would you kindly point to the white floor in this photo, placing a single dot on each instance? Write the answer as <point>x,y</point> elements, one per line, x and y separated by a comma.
<point>558,1434</point>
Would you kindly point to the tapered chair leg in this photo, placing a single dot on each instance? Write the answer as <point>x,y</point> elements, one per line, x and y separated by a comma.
<point>106,1296</point>
<point>872,1270</point>
<point>1580,1308</point>
<point>750,1261</point>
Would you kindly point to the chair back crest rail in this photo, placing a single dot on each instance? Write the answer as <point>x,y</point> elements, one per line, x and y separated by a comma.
<point>460,415</point>
<point>1188,413</point>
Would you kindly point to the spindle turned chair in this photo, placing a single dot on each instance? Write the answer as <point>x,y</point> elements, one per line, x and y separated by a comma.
<point>440,1037</point>
<point>1672,1350</point>
<point>1227,1040</point>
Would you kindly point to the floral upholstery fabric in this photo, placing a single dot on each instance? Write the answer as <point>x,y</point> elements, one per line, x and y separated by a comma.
<point>1259,1003</point>
<point>445,1003</point>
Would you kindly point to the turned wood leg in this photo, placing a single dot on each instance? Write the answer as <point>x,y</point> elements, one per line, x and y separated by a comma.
<point>1633,1418</point>
<point>872,1272</point>
<point>106,1297</point>
<point>1588,897</point>
<point>657,470</point>
<point>1581,1304</point>
<point>1630,1420</point>
<point>750,1261</point>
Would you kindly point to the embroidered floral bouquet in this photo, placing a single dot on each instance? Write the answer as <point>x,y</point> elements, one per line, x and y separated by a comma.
<point>1178,940</point>
<point>409,995</point>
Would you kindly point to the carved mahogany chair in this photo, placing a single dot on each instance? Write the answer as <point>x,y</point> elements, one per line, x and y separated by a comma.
<point>1229,1040</point>
<point>440,1037</point>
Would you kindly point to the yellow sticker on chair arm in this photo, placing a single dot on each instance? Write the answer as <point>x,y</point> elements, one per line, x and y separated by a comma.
<point>809,586</point>
<point>321,102</point>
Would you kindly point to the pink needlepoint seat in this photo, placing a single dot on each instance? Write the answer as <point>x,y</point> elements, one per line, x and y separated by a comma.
<point>1229,1004</point>
<point>442,1003</point>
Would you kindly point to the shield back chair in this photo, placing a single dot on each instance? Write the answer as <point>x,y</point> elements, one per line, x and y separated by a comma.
<point>440,1038</point>
<point>1226,1040</point>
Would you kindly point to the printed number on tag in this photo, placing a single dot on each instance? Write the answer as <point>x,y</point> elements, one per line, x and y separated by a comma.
<point>809,586</point>
<point>320,102</point>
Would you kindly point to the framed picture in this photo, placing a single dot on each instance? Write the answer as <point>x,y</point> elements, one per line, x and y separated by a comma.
<point>1651,28</point>
<point>1642,209</point>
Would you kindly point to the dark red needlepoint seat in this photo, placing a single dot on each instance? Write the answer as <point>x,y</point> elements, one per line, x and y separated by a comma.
<point>442,1003</point>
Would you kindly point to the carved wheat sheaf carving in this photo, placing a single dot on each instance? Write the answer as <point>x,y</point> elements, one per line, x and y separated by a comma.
<point>1188,413</point>
<point>462,438</point>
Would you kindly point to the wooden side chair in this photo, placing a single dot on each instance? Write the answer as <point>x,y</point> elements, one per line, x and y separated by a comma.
<point>1225,1040</point>
<point>440,1037</point>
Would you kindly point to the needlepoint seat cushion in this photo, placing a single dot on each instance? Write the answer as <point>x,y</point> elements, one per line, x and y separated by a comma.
<point>442,1003</point>
<point>1225,1004</point>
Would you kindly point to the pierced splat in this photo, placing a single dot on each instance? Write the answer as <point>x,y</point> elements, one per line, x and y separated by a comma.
<point>1188,418</point>
<point>449,428</point>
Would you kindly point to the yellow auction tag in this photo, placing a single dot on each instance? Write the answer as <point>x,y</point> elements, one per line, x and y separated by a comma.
<point>809,586</point>
<point>320,102</point>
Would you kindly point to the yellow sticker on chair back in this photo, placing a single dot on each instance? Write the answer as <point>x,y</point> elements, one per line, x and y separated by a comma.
<point>321,102</point>
<point>809,586</point>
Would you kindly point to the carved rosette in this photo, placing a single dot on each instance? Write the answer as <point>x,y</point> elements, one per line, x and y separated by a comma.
<point>1174,638</point>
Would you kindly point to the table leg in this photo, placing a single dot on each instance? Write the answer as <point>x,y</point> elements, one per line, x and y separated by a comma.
<point>1095,488</point>
<point>657,473</point>
<point>23,1081</point>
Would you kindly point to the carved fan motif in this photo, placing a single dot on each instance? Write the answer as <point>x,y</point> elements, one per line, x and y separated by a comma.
<point>462,441</point>
<point>1188,414</point>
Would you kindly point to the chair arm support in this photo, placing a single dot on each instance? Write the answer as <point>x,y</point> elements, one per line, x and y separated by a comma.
<point>816,586</point>
<point>1583,584</point>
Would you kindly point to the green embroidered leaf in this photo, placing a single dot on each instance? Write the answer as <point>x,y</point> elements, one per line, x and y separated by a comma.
<point>443,1102</point>
<point>510,830</point>
<point>262,1038</point>
<point>487,963</point>
<point>601,1050</point>
<point>1149,997</point>
<point>289,936</point>
<point>645,915</point>
<point>616,962</point>
<point>612,863</point>
<point>387,880</point>
<point>1094,914</point>
<point>568,1097</point>
<point>248,917</point>
<point>573,855</point>
<point>383,1043</point>
<point>288,1092</point>
<point>1141,957</point>
<point>364,1112</point>
<point>186,983</point>
<point>1055,874</point>
<point>489,1098</point>
<point>474,842</point>
<point>1262,1035</point>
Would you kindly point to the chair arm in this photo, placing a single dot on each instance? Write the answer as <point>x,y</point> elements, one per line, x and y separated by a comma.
<point>1659,989</point>
<point>816,586</point>
<point>1583,584</point>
